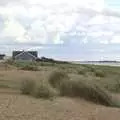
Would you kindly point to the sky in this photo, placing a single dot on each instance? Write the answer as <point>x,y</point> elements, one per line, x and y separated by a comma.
<point>62,29</point>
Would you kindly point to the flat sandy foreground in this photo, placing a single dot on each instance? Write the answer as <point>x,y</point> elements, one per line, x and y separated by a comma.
<point>14,106</point>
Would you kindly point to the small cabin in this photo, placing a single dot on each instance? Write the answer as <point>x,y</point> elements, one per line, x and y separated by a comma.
<point>25,55</point>
<point>2,56</point>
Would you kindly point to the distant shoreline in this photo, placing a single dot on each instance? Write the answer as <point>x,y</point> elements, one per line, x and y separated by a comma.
<point>106,63</point>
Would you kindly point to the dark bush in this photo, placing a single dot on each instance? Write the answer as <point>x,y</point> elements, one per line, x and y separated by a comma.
<point>99,73</point>
<point>81,72</point>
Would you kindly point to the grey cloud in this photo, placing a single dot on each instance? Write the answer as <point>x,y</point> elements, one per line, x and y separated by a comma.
<point>1,23</point>
<point>109,12</point>
<point>5,2</point>
<point>74,42</point>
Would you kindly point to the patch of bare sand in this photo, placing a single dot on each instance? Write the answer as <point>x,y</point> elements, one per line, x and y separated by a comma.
<point>19,107</point>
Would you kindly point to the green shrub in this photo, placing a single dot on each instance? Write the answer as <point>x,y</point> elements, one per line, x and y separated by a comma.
<point>29,68</point>
<point>117,86</point>
<point>92,69</point>
<point>81,72</point>
<point>99,73</point>
<point>9,61</point>
<point>89,68</point>
<point>27,87</point>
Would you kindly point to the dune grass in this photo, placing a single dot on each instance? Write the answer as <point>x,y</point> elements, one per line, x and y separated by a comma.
<point>78,88</point>
<point>27,87</point>
<point>91,82</point>
<point>60,84</point>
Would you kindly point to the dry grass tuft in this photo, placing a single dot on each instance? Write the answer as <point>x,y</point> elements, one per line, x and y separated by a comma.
<point>27,87</point>
<point>77,88</point>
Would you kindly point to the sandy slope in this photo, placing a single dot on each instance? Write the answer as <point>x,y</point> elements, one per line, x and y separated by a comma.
<point>19,107</point>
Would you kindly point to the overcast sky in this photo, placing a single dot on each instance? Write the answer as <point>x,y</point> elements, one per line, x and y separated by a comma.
<point>62,29</point>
